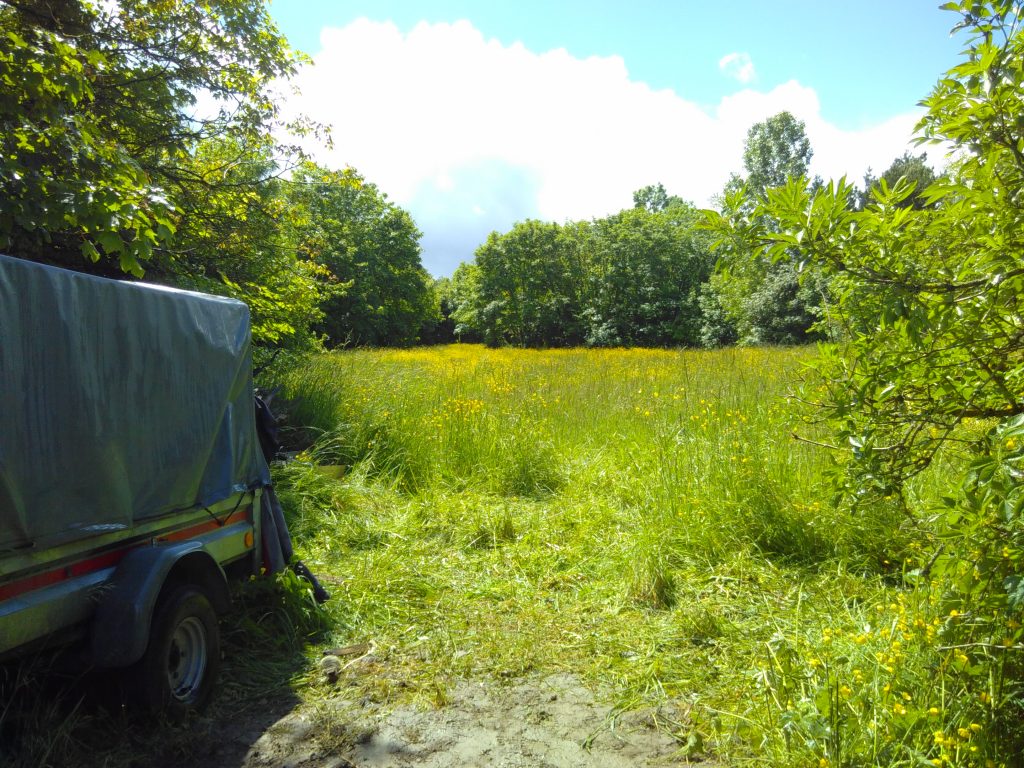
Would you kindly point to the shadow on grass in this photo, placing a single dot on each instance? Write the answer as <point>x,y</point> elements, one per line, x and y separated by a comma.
<point>55,711</point>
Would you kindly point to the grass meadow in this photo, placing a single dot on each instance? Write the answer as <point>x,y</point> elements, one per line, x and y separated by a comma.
<point>643,518</point>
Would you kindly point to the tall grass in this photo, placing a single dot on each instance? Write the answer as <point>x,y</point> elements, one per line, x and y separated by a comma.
<point>699,445</point>
<point>700,441</point>
<point>643,517</point>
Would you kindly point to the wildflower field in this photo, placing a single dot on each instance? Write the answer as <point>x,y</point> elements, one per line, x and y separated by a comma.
<point>646,519</point>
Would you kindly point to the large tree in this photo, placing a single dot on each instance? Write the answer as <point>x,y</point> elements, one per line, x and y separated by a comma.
<point>645,272</point>
<point>751,299</point>
<point>776,149</point>
<point>98,117</point>
<point>381,294</point>
<point>528,286</point>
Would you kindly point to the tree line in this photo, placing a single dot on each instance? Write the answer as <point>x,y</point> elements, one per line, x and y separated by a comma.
<point>648,275</point>
<point>139,139</point>
<point>628,279</point>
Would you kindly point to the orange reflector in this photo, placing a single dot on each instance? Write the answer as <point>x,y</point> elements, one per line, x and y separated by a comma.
<point>248,539</point>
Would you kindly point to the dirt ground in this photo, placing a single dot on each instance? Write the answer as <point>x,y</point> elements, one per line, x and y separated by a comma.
<point>539,721</point>
<point>536,722</point>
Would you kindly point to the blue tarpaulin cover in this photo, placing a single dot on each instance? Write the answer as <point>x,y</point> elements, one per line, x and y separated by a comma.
<point>119,402</point>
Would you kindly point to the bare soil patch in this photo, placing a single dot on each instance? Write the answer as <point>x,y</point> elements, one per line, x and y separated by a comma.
<point>537,722</point>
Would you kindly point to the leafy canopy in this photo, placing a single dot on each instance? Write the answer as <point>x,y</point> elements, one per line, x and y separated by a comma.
<point>914,168</point>
<point>775,150</point>
<point>370,249</point>
<point>98,116</point>
<point>632,278</point>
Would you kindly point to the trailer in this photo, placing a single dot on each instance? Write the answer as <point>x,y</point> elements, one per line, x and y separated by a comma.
<point>132,483</point>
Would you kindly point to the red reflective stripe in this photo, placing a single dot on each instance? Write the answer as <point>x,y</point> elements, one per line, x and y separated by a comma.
<point>38,581</point>
<point>108,559</point>
<point>98,563</point>
<point>211,525</point>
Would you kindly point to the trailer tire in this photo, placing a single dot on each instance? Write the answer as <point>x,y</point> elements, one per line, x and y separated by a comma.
<point>176,674</point>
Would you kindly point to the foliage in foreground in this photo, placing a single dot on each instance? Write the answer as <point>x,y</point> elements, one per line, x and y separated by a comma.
<point>139,138</point>
<point>97,104</point>
<point>929,302</point>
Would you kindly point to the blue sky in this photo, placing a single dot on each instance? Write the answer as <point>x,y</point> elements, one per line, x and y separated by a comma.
<point>474,115</point>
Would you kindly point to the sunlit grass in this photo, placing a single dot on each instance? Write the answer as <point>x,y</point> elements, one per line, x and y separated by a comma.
<point>696,444</point>
<point>645,518</point>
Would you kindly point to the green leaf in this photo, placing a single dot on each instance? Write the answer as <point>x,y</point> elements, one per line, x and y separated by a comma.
<point>111,242</point>
<point>90,252</point>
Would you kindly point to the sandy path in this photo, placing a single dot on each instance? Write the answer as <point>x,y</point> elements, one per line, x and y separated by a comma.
<point>536,723</point>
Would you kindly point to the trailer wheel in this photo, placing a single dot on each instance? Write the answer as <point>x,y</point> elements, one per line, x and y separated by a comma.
<point>176,674</point>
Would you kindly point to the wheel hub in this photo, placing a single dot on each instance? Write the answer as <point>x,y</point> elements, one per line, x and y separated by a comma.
<point>186,660</point>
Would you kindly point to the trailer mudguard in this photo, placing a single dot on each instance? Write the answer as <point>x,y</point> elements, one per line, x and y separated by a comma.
<point>121,624</point>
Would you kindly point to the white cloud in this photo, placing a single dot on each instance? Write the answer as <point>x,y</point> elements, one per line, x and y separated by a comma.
<point>837,152</point>
<point>738,66</point>
<point>472,135</point>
